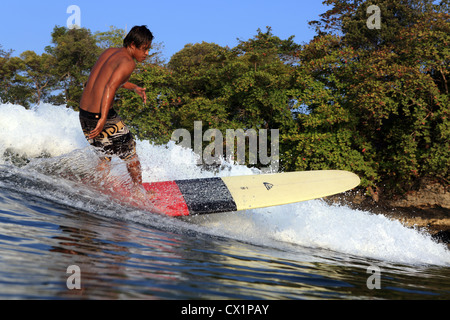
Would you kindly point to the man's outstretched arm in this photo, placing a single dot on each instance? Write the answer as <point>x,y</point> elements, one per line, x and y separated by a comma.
<point>140,91</point>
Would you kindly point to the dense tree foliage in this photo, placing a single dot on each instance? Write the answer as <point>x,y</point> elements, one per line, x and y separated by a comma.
<point>75,51</point>
<point>374,101</point>
<point>394,80</point>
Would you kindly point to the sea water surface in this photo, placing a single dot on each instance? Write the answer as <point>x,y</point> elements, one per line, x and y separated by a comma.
<point>51,220</point>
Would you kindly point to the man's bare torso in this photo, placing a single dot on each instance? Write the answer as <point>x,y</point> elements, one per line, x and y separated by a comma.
<point>106,65</point>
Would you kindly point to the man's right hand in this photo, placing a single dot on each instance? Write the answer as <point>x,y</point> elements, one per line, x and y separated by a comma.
<point>98,129</point>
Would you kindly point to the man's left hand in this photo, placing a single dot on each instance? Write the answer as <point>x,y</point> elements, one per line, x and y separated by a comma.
<point>141,91</point>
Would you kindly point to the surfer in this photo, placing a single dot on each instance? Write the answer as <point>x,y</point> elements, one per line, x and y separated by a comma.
<point>102,126</point>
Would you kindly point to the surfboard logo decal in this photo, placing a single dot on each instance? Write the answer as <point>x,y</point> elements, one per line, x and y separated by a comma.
<point>268,185</point>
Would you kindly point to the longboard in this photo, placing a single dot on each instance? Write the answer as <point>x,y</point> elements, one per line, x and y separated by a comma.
<point>236,193</point>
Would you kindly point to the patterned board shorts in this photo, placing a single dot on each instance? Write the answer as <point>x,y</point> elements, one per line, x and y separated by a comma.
<point>115,139</point>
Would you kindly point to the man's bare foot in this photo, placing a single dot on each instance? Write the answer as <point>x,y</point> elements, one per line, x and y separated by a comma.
<point>135,170</point>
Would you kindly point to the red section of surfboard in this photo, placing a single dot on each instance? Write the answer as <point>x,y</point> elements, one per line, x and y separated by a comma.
<point>167,197</point>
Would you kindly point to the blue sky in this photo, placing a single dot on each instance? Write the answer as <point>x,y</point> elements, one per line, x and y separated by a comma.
<point>27,25</point>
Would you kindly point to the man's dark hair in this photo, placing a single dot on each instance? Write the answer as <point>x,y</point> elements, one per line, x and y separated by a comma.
<point>139,35</point>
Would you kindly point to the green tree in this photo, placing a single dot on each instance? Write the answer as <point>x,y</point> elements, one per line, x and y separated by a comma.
<point>197,78</point>
<point>326,135</point>
<point>12,88</point>
<point>393,83</point>
<point>246,87</point>
<point>5,74</point>
<point>37,75</point>
<point>260,94</point>
<point>113,38</point>
<point>153,121</point>
<point>75,52</point>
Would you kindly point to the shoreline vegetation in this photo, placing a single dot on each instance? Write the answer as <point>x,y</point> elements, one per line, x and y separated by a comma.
<point>371,100</point>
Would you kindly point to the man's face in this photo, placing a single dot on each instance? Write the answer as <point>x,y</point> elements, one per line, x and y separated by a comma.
<point>141,53</point>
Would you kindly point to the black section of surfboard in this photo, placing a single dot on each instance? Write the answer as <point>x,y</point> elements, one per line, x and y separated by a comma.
<point>206,195</point>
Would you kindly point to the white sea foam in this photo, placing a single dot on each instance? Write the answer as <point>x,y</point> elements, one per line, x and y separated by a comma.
<point>45,129</point>
<point>55,132</point>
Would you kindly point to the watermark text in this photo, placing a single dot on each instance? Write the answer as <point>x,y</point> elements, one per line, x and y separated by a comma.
<point>213,153</point>
<point>74,21</point>
<point>374,281</point>
<point>74,280</point>
<point>374,20</point>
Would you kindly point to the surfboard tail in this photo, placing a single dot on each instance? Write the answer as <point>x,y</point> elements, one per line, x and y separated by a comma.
<point>191,197</point>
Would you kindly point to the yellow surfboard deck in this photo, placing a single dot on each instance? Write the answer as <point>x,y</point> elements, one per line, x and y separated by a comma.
<point>259,191</point>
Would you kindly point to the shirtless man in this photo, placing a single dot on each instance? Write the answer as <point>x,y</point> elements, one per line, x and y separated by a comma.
<point>102,126</point>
